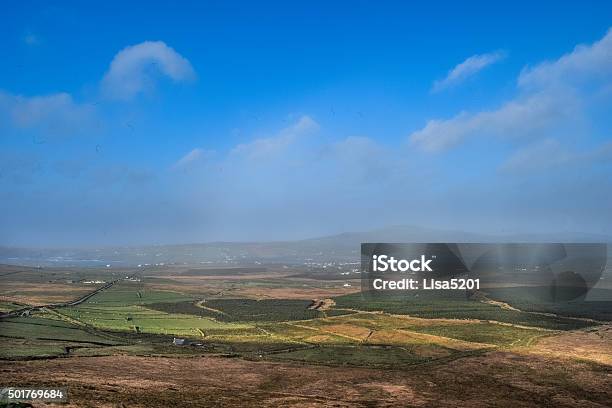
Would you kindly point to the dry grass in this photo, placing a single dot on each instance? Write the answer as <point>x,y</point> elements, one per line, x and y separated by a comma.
<point>594,345</point>
<point>356,333</point>
<point>494,379</point>
<point>37,294</point>
<point>234,288</point>
<point>400,337</point>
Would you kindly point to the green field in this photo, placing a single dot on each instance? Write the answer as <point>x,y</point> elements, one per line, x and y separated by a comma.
<point>19,348</point>
<point>125,307</point>
<point>8,306</point>
<point>370,356</point>
<point>133,293</point>
<point>440,305</point>
<point>49,329</point>
<point>476,332</point>
<point>247,310</point>
<point>598,307</point>
<point>47,336</point>
<point>359,330</point>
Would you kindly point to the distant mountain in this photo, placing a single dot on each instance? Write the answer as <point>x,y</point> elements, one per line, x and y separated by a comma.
<point>420,234</point>
<point>341,247</point>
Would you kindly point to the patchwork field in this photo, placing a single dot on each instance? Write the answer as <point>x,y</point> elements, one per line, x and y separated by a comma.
<point>127,307</point>
<point>161,317</point>
<point>455,305</point>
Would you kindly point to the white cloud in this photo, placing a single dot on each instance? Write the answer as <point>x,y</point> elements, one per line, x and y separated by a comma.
<point>194,156</point>
<point>269,146</point>
<point>50,114</point>
<point>517,118</point>
<point>133,69</point>
<point>554,97</point>
<point>265,160</point>
<point>589,62</point>
<point>468,68</point>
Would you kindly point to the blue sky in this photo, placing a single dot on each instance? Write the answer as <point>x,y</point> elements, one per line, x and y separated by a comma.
<point>126,124</point>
